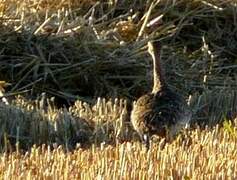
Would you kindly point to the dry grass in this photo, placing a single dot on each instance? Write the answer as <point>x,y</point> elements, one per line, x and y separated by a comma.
<point>108,147</point>
<point>208,154</point>
<point>80,50</point>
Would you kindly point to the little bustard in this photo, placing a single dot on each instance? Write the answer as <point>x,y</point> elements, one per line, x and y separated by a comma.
<point>162,112</point>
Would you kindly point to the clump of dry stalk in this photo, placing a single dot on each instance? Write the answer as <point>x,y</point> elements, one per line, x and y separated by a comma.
<point>41,122</point>
<point>80,49</point>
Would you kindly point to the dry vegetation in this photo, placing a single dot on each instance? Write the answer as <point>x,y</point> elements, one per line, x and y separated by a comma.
<point>79,50</point>
<point>208,154</point>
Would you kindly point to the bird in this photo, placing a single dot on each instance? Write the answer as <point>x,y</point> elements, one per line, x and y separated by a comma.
<point>162,111</point>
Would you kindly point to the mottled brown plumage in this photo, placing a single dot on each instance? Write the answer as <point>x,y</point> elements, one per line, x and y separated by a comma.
<point>162,112</point>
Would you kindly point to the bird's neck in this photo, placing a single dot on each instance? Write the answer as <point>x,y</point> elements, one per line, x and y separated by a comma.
<point>158,76</point>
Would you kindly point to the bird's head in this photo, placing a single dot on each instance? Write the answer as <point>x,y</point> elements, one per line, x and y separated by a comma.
<point>154,47</point>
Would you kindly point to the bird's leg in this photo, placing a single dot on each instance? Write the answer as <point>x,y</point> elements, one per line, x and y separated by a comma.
<point>146,140</point>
